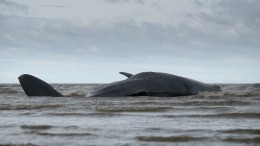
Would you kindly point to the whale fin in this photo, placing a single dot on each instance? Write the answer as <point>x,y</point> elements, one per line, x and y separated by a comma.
<point>33,86</point>
<point>126,74</point>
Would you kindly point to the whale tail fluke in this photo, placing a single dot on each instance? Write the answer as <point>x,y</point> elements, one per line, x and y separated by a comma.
<point>34,86</point>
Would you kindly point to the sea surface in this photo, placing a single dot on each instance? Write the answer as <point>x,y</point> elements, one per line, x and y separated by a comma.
<point>231,117</point>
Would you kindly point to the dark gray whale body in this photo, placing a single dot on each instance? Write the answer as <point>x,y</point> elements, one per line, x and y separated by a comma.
<point>142,84</point>
<point>153,84</point>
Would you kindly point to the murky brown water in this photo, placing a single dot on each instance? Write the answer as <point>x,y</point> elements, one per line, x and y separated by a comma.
<point>231,117</point>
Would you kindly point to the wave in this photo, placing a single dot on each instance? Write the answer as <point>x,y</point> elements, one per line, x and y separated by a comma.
<point>64,134</point>
<point>81,114</point>
<point>7,92</point>
<point>241,94</point>
<point>131,109</point>
<point>76,94</point>
<point>27,107</point>
<point>242,88</point>
<point>256,85</point>
<point>242,131</point>
<point>17,144</point>
<point>221,115</point>
<point>212,103</point>
<point>169,138</point>
<point>218,95</point>
<point>255,140</point>
<point>210,94</point>
<point>184,138</point>
<point>36,127</point>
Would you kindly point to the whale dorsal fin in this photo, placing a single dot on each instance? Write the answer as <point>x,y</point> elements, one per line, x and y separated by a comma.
<point>126,74</point>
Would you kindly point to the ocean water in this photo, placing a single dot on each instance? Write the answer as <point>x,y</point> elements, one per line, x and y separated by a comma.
<point>231,117</point>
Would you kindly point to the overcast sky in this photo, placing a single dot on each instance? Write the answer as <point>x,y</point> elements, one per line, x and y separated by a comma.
<point>90,41</point>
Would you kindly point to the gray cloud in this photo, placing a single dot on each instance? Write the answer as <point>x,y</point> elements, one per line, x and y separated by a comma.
<point>8,6</point>
<point>218,37</point>
<point>232,23</point>
<point>244,13</point>
<point>124,1</point>
<point>57,6</point>
<point>197,36</point>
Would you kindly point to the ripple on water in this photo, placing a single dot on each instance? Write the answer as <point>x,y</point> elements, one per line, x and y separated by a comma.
<point>43,130</point>
<point>255,140</point>
<point>241,94</point>
<point>242,131</point>
<point>36,127</point>
<point>82,114</point>
<point>235,115</point>
<point>27,106</point>
<point>183,138</point>
<point>17,144</point>
<point>64,134</point>
<point>221,115</point>
<point>212,103</point>
<point>131,109</point>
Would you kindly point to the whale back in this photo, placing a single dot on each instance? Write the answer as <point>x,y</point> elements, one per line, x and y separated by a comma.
<point>154,84</point>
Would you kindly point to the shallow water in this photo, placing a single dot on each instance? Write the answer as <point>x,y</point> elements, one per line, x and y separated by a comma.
<point>231,117</point>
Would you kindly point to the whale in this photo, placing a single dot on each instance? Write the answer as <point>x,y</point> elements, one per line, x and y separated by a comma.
<point>153,84</point>
<point>141,84</point>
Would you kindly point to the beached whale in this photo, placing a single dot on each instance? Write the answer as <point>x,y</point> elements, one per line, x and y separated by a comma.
<point>142,84</point>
